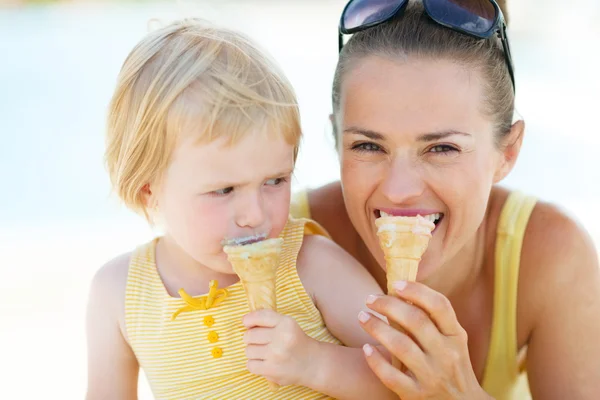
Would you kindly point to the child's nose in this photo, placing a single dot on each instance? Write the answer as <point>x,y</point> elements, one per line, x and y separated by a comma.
<point>251,212</point>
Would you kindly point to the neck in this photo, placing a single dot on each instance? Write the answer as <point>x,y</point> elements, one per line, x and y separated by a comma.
<point>179,270</point>
<point>457,278</point>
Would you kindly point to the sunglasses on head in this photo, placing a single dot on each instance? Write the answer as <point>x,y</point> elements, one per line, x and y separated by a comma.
<point>477,18</point>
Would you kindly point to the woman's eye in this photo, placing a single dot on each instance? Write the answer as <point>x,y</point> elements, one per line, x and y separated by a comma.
<point>442,148</point>
<point>223,192</point>
<point>275,182</point>
<point>366,147</point>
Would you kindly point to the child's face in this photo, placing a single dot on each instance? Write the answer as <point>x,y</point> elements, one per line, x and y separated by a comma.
<point>216,192</point>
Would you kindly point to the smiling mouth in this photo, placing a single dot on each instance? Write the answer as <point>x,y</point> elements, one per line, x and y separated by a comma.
<point>436,218</point>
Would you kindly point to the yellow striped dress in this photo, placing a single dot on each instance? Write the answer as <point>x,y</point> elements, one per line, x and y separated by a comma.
<point>200,354</point>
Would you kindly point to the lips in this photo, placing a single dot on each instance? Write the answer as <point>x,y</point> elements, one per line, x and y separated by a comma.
<point>240,241</point>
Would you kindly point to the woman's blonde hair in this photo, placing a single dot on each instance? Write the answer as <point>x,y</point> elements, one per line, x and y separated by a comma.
<point>191,75</point>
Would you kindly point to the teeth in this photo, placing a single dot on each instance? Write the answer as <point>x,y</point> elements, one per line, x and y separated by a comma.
<point>432,217</point>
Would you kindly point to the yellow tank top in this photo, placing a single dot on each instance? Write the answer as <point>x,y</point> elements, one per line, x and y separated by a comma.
<point>505,377</point>
<point>200,354</point>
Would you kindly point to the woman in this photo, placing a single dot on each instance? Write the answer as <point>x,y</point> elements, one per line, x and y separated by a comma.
<point>423,106</point>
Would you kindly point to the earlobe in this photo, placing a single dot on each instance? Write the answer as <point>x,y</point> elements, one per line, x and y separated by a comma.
<point>510,148</point>
<point>148,197</point>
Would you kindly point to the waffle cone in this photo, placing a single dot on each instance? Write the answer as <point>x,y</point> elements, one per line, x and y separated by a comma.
<point>256,265</point>
<point>403,241</point>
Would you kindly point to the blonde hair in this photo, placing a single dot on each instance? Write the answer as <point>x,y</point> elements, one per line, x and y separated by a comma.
<point>191,75</point>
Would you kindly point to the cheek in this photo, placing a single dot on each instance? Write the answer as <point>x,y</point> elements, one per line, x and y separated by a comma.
<point>278,209</point>
<point>359,177</point>
<point>202,223</point>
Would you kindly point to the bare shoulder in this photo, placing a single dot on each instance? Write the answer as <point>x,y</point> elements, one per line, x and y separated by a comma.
<point>557,255</point>
<point>111,278</point>
<point>557,247</point>
<point>327,207</point>
<point>109,285</point>
<point>321,262</point>
<point>320,256</point>
<point>112,365</point>
<point>327,204</point>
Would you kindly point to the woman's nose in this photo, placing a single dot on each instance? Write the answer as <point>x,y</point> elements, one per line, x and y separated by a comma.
<point>403,181</point>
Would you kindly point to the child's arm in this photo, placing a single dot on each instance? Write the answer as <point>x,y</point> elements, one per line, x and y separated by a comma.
<point>339,286</point>
<point>112,366</point>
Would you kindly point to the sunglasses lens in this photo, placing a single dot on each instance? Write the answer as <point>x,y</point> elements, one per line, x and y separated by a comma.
<point>367,12</point>
<point>474,16</point>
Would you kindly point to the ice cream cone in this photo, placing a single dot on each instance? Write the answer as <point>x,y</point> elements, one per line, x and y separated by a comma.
<point>256,265</point>
<point>403,241</point>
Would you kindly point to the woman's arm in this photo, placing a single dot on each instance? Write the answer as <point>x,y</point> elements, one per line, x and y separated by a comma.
<point>112,366</point>
<point>561,271</point>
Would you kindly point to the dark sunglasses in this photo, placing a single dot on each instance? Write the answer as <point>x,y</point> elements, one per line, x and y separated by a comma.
<point>476,18</point>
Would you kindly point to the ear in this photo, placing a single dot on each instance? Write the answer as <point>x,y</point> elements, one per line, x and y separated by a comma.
<point>149,197</point>
<point>510,148</point>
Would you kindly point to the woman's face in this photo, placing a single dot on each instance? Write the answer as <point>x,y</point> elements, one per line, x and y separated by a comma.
<point>414,140</point>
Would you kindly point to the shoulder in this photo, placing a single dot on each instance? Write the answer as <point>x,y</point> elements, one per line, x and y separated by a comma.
<point>326,199</point>
<point>112,276</point>
<point>318,251</point>
<point>108,288</point>
<point>327,207</point>
<point>557,256</point>
<point>321,260</point>
<point>557,248</point>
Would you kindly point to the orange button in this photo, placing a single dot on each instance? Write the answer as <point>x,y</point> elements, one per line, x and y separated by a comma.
<point>213,337</point>
<point>217,352</point>
<point>209,321</point>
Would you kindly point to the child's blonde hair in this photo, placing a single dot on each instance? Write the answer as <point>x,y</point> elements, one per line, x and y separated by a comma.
<point>191,75</point>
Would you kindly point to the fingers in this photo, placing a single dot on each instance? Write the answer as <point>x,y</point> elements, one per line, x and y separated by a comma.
<point>258,336</point>
<point>256,352</point>
<point>261,318</point>
<point>414,320</point>
<point>398,343</point>
<point>392,378</point>
<point>433,303</point>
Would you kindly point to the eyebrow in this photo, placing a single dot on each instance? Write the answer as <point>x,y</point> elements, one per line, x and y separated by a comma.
<point>365,132</point>
<point>426,137</point>
<point>433,136</point>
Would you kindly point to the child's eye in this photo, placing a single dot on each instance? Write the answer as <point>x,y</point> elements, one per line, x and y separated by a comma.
<point>223,192</point>
<point>442,148</point>
<point>275,182</point>
<point>366,147</point>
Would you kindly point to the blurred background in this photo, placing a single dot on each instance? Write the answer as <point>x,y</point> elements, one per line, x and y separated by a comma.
<point>59,222</point>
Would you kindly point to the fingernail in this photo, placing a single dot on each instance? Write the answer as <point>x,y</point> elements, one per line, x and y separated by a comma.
<point>371,298</point>
<point>400,285</point>
<point>368,349</point>
<point>363,316</point>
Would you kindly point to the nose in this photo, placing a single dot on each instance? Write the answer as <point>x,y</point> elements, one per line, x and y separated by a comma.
<point>403,181</point>
<point>251,211</point>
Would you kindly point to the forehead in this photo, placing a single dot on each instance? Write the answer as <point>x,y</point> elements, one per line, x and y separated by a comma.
<point>255,156</point>
<point>417,95</point>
